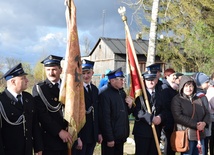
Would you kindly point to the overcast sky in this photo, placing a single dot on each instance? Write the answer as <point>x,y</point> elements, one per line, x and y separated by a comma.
<point>32,29</point>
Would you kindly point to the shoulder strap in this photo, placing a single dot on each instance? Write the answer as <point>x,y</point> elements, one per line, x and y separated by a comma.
<point>193,110</point>
<point>142,103</point>
<point>193,113</point>
<point>3,114</point>
<point>193,107</point>
<point>45,101</point>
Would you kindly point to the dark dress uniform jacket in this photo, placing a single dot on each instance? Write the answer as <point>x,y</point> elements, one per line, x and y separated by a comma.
<point>141,127</point>
<point>89,133</point>
<point>51,122</point>
<point>12,138</point>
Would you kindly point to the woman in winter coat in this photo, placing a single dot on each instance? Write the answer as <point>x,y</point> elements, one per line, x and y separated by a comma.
<point>189,112</point>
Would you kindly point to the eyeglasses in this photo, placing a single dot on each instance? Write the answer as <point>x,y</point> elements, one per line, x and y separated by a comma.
<point>120,78</point>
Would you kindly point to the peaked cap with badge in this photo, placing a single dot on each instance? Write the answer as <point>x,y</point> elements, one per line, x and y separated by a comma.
<point>149,76</point>
<point>46,95</point>
<point>154,68</point>
<point>151,72</point>
<point>14,71</point>
<point>87,64</point>
<point>115,73</point>
<point>52,60</point>
<point>16,113</point>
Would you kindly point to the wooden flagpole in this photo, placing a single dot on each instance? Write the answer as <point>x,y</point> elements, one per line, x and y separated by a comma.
<point>124,18</point>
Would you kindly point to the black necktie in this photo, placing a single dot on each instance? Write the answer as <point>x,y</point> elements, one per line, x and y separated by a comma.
<point>152,101</point>
<point>152,97</point>
<point>89,89</point>
<point>90,92</point>
<point>19,97</point>
<point>56,85</point>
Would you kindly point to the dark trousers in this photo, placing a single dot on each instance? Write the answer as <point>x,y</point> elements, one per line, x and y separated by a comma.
<point>145,146</point>
<point>55,152</point>
<point>87,149</point>
<point>167,147</point>
<point>116,150</point>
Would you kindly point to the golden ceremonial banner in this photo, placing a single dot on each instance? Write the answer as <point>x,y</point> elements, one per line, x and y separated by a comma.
<point>72,91</point>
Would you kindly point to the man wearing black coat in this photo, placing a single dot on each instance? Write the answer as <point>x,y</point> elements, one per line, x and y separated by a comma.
<point>89,134</point>
<point>142,131</point>
<point>115,107</point>
<point>50,110</point>
<point>19,128</point>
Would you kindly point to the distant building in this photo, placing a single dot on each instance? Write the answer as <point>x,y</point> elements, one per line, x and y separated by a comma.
<point>110,53</point>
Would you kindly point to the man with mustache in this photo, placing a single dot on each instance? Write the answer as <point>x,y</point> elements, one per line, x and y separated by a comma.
<point>50,110</point>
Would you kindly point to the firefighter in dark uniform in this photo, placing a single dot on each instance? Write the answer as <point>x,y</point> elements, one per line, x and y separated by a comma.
<point>89,134</point>
<point>50,110</point>
<point>20,132</point>
<point>142,131</point>
<point>115,106</point>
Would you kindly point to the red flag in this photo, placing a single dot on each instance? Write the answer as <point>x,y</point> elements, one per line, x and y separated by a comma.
<point>135,76</point>
<point>137,84</point>
<point>72,91</point>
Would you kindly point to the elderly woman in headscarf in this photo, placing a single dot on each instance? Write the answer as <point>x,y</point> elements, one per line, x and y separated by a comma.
<point>189,112</point>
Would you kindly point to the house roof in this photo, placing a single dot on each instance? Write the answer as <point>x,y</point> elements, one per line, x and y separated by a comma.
<point>118,46</point>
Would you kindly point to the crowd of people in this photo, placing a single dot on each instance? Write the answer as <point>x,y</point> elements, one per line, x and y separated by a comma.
<point>35,123</point>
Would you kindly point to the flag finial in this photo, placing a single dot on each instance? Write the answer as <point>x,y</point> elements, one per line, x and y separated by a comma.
<point>122,12</point>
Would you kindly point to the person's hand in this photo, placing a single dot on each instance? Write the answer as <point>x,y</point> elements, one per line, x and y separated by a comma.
<point>201,126</point>
<point>100,138</point>
<point>156,120</point>
<point>145,116</point>
<point>129,101</point>
<point>79,144</point>
<point>65,136</point>
<point>110,144</point>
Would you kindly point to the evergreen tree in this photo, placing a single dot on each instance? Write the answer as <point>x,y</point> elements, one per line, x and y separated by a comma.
<point>188,28</point>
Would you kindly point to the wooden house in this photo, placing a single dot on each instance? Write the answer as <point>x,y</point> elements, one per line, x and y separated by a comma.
<point>110,53</point>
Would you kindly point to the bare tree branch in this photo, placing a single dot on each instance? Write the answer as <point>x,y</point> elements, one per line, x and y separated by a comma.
<point>139,4</point>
